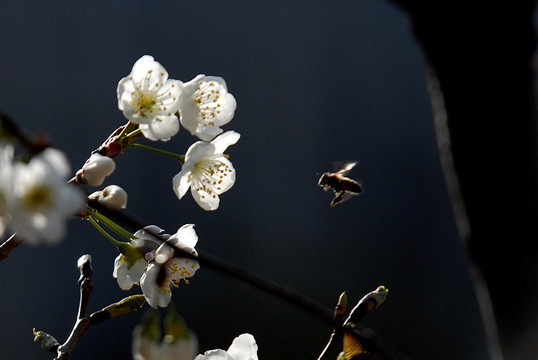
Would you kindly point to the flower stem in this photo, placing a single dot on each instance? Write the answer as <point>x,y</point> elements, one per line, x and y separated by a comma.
<point>126,130</point>
<point>180,158</point>
<point>121,232</point>
<point>103,232</point>
<point>134,134</point>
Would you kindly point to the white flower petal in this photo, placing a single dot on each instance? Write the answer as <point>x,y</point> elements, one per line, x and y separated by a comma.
<point>162,128</point>
<point>197,151</point>
<point>148,233</point>
<point>222,182</point>
<point>124,92</point>
<point>120,273</point>
<point>182,349</point>
<point>182,268</point>
<point>126,276</point>
<point>206,201</point>
<point>164,253</point>
<point>214,355</point>
<point>49,230</point>
<point>143,348</point>
<point>222,142</point>
<point>150,70</point>
<point>55,160</point>
<point>205,106</point>
<point>185,237</point>
<point>155,296</point>
<point>244,347</point>
<point>181,183</point>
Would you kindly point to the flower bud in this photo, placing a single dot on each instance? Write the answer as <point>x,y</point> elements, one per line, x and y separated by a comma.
<point>95,170</point>
<point>125,306</point>
<point>47,342</point>
<point>84,265</point>
<point>178,342</point>
<point>112,197</point>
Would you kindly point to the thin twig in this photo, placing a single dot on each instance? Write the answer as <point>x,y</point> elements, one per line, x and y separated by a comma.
<point>83,323</point>
<point>11,128</point>
<point>8,246</point>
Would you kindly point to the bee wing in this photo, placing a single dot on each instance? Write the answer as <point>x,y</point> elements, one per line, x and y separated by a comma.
<point>343,167</point>
<point>347,195</point>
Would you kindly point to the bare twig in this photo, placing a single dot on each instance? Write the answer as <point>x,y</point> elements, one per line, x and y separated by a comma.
<point>83,323</point>
<point>8,246</point>
<point>334,345</point>
<point>10,128</point>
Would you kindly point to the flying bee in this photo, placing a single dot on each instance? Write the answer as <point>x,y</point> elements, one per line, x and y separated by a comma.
<point>343,186</point>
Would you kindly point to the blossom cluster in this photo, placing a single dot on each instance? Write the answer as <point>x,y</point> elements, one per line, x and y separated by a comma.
<point>143,264</point>
<point>149,98</point>
<point>37,194</point>
<point>158,105</point>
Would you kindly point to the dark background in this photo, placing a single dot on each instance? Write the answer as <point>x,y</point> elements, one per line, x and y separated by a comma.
<point>315,82</point>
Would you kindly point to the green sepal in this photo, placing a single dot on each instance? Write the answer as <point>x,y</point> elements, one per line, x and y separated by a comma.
<point>150,326</point>
<point>175,328</point>
<point>130,254</point>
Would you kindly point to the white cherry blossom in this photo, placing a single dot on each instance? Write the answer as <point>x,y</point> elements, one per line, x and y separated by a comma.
<point>149,98</point>
<point>131,264</point>
<point>206,104</point>
<point>40,199</point>
<point>167,269</point>
<point>243,347</point>
<point>128,273</point>
<point>207,171</point>
<point>178,342</point>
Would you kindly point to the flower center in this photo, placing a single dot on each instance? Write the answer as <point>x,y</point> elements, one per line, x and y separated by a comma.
<point>37,198</point>
<point>209,173</point>
<point>144,102</point>
<point>207,97</point>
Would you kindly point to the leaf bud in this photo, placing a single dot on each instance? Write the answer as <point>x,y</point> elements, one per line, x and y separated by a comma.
<point>46,341</point>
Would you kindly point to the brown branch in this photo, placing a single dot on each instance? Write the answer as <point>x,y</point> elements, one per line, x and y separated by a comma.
<point>8,246</point>
<point>237,273</point>
<point>11,129</point>
<point>83,323</point>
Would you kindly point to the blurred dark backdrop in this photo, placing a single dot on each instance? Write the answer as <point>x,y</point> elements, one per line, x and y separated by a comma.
<point>315,82</point>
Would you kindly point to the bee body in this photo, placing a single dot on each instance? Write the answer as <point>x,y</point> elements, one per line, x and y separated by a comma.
<point>341,185</point>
